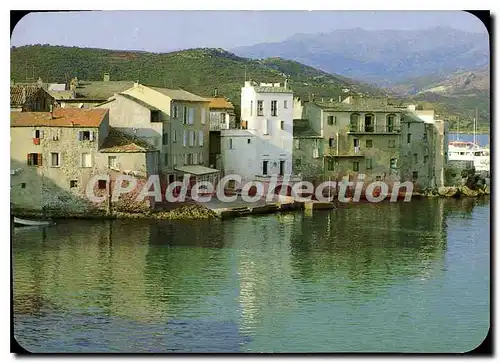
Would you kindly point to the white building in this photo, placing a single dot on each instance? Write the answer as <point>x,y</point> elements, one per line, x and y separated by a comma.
<point>263,147</point>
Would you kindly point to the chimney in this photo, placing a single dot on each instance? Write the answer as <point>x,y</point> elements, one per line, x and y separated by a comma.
<point>216,92</point>
<point>106,77</point>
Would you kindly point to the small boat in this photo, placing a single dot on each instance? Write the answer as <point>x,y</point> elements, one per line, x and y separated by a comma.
<point>27,222</point>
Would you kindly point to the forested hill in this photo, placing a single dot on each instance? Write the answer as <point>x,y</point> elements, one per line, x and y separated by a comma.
<point>196,70</point>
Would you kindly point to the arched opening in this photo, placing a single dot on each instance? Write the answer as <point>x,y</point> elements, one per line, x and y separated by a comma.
<point>369,122</point>
<point>391,123</point>
<point>354,124</point>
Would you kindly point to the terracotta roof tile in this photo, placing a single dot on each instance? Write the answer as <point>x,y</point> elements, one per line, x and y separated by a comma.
<point>119,142</point>
<point>219,102</point>
<point>16,93</point>
<point>63,117</point>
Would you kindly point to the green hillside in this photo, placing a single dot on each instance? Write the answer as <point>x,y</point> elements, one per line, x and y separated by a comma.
<point>196,70</point>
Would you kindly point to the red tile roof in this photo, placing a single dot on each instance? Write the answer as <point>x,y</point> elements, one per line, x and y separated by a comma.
<point>16,94</point>
<point>63,117</point>
<point>220,102</point>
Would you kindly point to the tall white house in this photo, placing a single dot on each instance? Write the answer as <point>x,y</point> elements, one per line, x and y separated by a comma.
<point>262,148</point>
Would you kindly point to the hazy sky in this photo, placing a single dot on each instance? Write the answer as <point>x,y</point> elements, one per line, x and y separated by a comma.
<point>159,31</point>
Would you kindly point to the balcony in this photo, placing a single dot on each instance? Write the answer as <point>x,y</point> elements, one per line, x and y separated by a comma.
<point>375,129</point>
<point>267,178</point>
<point>216,125</point>
<point>345,152</point>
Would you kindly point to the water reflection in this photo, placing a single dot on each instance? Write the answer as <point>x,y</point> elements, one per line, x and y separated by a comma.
<point>268,277</point>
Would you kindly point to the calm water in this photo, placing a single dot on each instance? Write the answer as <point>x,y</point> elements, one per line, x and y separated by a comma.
<point>390,277</point>
<point>481,139</point>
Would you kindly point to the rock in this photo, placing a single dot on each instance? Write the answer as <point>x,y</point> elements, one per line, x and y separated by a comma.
<point>466,191</point>
<point>447,191</point>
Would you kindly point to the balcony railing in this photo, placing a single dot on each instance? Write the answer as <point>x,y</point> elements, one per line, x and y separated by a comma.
<point>381,129</point>
<point>216,125</point>
<point>266,178</point>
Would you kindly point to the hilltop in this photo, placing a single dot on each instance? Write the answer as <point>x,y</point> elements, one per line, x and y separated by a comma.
<point>197,70</point>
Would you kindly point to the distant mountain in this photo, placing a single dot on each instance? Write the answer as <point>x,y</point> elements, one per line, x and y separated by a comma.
<point>196,70</point>
<point>383,57</point>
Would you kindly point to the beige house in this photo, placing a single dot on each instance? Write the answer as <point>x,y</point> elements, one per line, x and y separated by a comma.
<point>174,121</point>
<point>55,155</point>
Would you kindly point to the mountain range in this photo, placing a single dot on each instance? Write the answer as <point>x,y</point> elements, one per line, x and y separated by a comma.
<point>382,57</point>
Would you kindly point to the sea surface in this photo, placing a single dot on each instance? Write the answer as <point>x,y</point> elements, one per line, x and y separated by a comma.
<point>386,277</point>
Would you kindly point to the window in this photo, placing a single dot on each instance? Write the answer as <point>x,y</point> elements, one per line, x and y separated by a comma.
<point>222,117</point>
<point>192,140</point>
<point>297,143</point>
<point>200,138</point>
<point>23,185</point>
<point>378,178</point>
<point>165,138</point>
<point>274,108</point>
<point>230,143</point>
<point>426,158</point>
<point>175,111</point>
<point>354,123</point>
<point>331,120</point>
<point>251,108</point>
<point>369,123</point>
<point>425,135</point>
<point>285,104</point>
<point>260,108</point>
<point>73,183</point>
<point>394,163</point>
<point>331,164</point>
<point>408,138</point>
<point>356,146</point>
<point>355,166</point>
<point>155,116</point>
<point>331,142</point>
<point>54,158</point>
<point>86,160</point>
<point>264,167</point>
<point>392,143</point>
<point>409,127</point>
<point>415,158</point>
<point>190,159</point>
<point>369,164</point>
<point>415,175</point>
<point>35,159</point>
<point>165,160</point>
<point>282,167</point>
<point>112,162</point>
<point>315,153</point>
<point>369,144</point>
<point>101,183</point>
<point>298,162</point>
<point>185,115</point>
<point>391,122</point>
<point>174,160</point>
<point>38,134</point>
<point>174,136</point>
<point>184,136</point>
<point>249,141</point>
<point>191,116</point>
<point>282,125</point>
<point>85,135</point>
<point>195,158</point>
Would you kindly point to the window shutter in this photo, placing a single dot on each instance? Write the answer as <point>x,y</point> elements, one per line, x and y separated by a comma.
<point>203,116</point>
<point>185,138</point>
<point>28,158</point>
<point>191,115</point>
<point>201,158</point>
<point>79,135</point>
<point>195,158</point>
<point>174,136</point>
<point>185,159</point>
<point>34,134</point>
<point>41,134</point>
<point>91,135</point>
<point>315,153</point>
<point>39,159</point>
<point>265,129</point>
<point>200,137</point>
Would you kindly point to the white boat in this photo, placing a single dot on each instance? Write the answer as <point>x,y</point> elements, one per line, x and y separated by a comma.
<point>27,222</point>
<point>469,151</point>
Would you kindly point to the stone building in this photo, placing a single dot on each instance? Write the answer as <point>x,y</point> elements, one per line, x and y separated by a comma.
<point>30,98</point>
<point>175,122</point>
<point>307,152</point>
<point>55,155</point>
<point>382,141</point>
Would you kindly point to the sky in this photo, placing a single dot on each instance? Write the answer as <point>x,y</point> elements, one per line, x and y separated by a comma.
<point>161,31</point>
